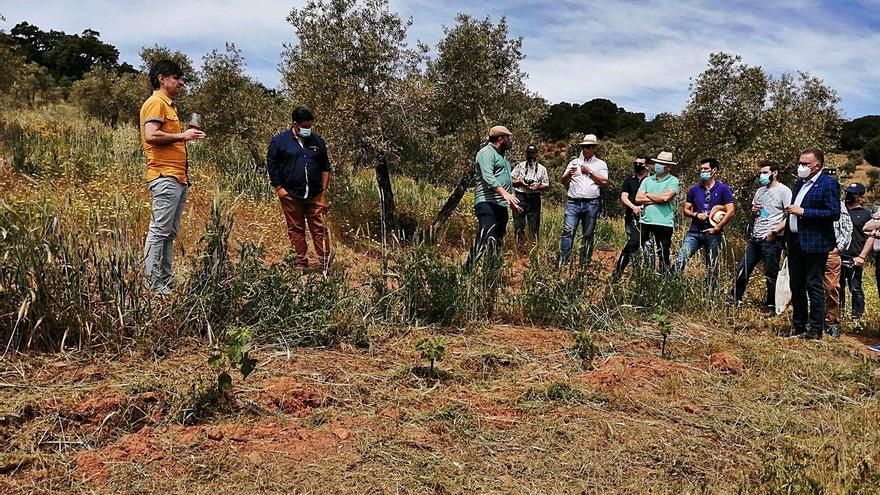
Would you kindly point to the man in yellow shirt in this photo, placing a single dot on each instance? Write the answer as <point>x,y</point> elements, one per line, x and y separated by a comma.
<point>165,147</point>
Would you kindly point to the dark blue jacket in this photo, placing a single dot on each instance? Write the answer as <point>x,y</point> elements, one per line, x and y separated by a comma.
<point>297,168</point>
<point>821,209</point>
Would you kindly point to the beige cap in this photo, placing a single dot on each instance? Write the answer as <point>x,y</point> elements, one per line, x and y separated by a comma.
<point>499,130</point>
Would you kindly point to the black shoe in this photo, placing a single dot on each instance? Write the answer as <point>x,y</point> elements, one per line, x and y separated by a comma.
<point>810,336</point>
<point>796,332</point>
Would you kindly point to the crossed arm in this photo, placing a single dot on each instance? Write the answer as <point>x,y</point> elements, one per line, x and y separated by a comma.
<point>655,198</point>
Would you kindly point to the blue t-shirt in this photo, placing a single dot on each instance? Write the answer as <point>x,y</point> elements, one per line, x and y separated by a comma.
<point>703,203</point>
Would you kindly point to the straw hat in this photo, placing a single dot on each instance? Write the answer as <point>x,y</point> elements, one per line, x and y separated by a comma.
<point>717,214</point>
<point>664,158</point>
<point>589,139</point>
<point>499,130</point>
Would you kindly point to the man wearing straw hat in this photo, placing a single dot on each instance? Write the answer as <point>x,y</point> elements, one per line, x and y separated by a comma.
<point>492,195</point>
<point>709,204</point>
<point>657,194</point>
<point>584,176</point>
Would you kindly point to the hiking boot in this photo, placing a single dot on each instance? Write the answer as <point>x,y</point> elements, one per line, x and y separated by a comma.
<point>810,336</point>
<point>833,331</point>
<point>795,333</point>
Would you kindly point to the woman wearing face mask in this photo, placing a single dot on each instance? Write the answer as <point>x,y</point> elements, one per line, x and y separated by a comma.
<point>765,243</point>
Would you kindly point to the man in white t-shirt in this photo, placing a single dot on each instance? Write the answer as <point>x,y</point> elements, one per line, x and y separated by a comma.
<point>765,243</point>
<point>584,176</point>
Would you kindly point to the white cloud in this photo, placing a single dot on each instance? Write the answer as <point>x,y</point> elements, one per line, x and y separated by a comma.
<point>641,54</point>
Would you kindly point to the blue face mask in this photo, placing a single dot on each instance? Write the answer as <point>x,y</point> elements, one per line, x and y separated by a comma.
<point>303,132</point>
<point>704,176</point>
<point>764,179</point>
<point>659,168</point>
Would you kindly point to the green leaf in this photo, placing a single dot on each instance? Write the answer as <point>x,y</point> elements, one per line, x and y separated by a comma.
<point>216,359</point>
<point>247,365</point>
<point>224,381</point>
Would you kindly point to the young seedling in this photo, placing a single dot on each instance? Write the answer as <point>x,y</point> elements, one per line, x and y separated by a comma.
<point>661,318</point>
<point>432,350</point>
<point>585,348</point>
<point>233,354</point>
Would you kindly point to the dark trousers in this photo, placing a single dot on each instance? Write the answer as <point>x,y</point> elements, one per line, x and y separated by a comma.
<point>491,226</point>
<point>632,246</point>
<point>584,212</point>
<point>851,276</point>
<point>758,250</point>
<point>807,284</point>
<point>531,214</point>
<point>660,238</point>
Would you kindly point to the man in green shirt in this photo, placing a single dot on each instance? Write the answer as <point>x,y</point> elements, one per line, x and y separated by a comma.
<point>657,195</point>
<point>492,195</point>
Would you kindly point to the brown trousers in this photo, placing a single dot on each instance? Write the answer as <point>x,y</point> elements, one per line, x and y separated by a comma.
<point>832,289</point>
<point>298,213</point>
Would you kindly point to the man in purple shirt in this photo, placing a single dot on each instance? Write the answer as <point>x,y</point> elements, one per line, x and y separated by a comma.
<point>703,233</point>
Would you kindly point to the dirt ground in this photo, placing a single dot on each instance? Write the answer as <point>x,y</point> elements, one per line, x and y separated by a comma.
<point>515,413</point>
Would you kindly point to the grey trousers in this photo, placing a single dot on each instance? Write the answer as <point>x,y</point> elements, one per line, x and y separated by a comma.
<point>169,197</point>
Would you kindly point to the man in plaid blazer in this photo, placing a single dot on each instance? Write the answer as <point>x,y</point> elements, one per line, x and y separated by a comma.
<point>809,236</point>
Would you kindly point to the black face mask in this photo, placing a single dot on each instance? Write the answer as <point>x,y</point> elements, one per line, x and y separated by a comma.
<point>849,198</point>
<point>504,147</point>
<point>638,168</point>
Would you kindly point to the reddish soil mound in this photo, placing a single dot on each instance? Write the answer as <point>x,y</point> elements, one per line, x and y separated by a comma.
<point>618,370</point>
<point>726,362</point>
<point>261,441</point>
<point>287,395</point>
<point>114,407</point>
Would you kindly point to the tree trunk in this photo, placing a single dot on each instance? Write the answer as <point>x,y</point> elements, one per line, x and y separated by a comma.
<point>467,181</point>
<point>386,193</point>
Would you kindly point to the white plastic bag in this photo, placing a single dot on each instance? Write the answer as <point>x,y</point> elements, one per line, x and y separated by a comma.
<point>783,291</point>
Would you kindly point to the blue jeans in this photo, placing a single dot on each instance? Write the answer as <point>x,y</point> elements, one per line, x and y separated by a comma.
<point>758,250</point>
<point>169,196</point>
<point>585,213</point>
<point>708,243</point>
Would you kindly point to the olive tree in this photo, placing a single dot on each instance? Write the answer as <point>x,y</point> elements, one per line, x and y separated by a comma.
<point>742,115</point>
<point>351,65</point>
<point>477,83</point>
<point>110,96</point>
<point>236,107</point>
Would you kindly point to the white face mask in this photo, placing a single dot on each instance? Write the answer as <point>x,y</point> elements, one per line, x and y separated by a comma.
<point>803,171</point>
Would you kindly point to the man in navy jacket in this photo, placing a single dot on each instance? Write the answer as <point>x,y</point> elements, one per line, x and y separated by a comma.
<point>300,173</point>
<point>809,235</point>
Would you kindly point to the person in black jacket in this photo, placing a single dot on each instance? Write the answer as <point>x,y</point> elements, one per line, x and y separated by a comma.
<point>299,170</point>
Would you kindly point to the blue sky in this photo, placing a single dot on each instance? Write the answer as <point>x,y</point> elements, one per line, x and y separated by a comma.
<point>640,54</point>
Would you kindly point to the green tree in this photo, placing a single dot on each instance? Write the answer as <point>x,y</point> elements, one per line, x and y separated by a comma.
<point>856,133</point>
<point>235,106</point>
<point>67,57</point>
<point>111,96</point>
<point>742,115</point>
<point>352,67</point>
<point>872,152</point>
<point>477,83</point>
